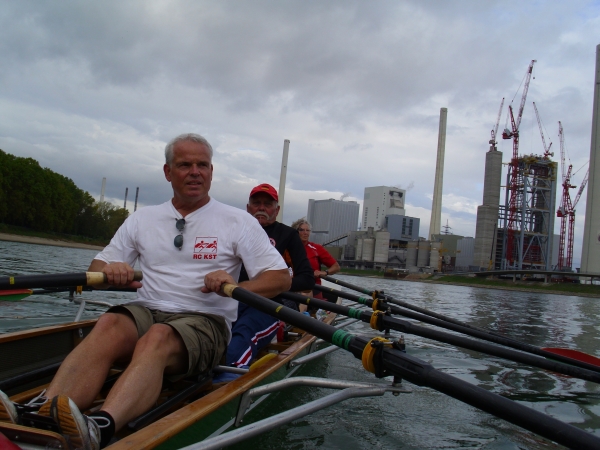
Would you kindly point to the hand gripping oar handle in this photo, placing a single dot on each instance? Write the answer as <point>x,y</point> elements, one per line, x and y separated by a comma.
<point>57,280</point>
<point>421,373</point>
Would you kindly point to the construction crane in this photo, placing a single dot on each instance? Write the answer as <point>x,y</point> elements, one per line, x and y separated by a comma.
<point>493,142</point>
<point>566,210</point>
<point>514,164</point>
<point>547,153</point>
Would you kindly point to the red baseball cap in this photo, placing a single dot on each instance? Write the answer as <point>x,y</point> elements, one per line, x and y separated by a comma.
<point>267,189</point>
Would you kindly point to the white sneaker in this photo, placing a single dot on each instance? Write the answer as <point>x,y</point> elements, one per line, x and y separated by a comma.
<point>81,431</point>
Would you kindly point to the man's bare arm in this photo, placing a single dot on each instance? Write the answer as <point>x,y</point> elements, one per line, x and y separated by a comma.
<point>268,284</point>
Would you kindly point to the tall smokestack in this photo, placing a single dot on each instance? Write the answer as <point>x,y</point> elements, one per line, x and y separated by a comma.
<point>137,192</point>
<point>103,189</point>
<point>590,254</point>
<point>282,176</point>
<point>436,206</point>
<point>125,202</point>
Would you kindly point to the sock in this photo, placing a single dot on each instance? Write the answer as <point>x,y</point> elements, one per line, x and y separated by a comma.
<point>106,424</point>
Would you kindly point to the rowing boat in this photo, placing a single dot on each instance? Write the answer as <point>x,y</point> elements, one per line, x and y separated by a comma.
<point>199,420</point>
<point>188,411</point>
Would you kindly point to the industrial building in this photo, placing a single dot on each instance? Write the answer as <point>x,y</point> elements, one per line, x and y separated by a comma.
<point>379,202</point>
<point>332,220</point>
<point>528,214</point>
<point>402,228</point>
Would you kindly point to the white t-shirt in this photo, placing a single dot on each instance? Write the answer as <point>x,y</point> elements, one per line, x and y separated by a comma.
<point>215,237</point>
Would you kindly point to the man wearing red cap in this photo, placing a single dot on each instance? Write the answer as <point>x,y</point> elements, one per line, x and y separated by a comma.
<point>253,328</point>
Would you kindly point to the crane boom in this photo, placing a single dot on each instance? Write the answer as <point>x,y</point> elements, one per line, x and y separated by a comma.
<point>539,121</point>
<point>561,136</point>
<point>525,89</point>
<point>495,129</point>
<point>581,188</point>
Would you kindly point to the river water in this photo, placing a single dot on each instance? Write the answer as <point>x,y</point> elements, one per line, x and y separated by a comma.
<point>419,420</point>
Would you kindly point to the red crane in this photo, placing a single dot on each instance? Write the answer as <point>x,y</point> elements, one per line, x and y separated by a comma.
<point>514,164</point>
<point>566,210</point>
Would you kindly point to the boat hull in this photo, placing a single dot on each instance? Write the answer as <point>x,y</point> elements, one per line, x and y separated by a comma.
<point>31,358</point>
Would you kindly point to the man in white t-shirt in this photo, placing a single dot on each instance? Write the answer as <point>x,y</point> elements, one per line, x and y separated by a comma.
<point>180,323</point>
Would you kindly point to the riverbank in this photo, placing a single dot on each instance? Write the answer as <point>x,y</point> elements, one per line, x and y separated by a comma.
<point>570,289</point>
<point>47,241</point>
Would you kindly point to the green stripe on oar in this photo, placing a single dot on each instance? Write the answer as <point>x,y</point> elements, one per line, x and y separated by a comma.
<point>575,358</point>
<point>424,374</point>
<point>14,295</point>
<point>56,280</point>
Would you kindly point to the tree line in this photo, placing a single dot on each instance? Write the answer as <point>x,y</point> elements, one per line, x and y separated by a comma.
<point>42,200</point>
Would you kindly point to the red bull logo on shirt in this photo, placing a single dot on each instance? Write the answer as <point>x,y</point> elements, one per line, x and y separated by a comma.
<point>205,248</point>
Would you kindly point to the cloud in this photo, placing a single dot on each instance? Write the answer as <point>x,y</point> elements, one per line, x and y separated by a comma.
<point>96,90</point>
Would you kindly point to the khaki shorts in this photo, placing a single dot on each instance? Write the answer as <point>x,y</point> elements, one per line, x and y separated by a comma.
<point>204,335</point>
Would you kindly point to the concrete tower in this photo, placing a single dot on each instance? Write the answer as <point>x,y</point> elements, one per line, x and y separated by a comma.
<point>103,189</point>
<point>487,213</point>
<point>590,255</point>
<point>282,177</point>
<point>436,206</point>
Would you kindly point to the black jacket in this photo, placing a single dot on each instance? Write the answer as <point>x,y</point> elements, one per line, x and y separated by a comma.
<point>287,242</point>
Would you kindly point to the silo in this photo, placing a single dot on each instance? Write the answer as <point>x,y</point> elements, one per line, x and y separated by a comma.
<point>349,252</point>
<point>411,254</point>
<point>359,249</point>
<point>434,255</point>
<point>423,253</point>
<point>382,244</point>
<point>368,249</point>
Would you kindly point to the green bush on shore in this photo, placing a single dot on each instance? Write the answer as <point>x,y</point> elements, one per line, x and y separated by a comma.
<point>37,200</point>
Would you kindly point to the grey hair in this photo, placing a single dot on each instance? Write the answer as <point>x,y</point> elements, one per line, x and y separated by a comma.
<point>301,222</point>
<point>186,137</point>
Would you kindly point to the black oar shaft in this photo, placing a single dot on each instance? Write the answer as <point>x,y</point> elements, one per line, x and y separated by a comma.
<point>509,410</point>
<point>448,338</point>
<point>383,296</point>
<point>56,280</point>
<point>421,373</point>
<point>450,324</point>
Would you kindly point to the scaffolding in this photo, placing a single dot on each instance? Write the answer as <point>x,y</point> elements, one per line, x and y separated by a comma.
<point>527,223</point>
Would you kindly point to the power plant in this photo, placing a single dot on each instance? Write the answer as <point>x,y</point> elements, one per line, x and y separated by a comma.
<point>512,233</point>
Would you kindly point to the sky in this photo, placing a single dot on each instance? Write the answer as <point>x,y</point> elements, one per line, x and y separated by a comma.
<point>96,89</point>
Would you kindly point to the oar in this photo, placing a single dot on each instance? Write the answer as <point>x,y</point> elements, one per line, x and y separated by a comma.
<point>574,354</point>
<point>384,322</point>
<point>573,357</point>
<point>56,280</point>
<point>14,295</point>
<point>385,360</point>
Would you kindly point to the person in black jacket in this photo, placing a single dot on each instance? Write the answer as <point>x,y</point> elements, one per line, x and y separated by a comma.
<point>254,329</point>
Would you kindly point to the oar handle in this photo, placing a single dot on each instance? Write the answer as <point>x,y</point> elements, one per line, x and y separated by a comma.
<point>95,278</point>
<point>57,280</point>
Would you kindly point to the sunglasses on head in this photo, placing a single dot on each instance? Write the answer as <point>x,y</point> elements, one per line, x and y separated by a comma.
<point>178,241</point>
